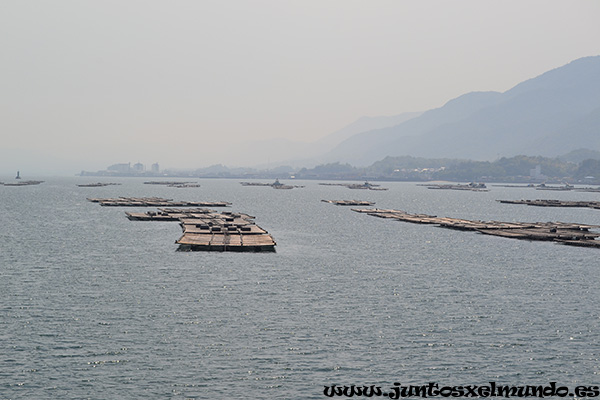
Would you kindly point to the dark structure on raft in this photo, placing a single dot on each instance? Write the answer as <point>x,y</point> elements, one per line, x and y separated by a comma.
<point>560,232</point>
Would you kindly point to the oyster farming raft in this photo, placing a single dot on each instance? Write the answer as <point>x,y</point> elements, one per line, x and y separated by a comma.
<point>203,229</point>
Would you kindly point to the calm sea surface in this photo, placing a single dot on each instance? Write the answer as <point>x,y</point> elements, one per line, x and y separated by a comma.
<point>93,305</point>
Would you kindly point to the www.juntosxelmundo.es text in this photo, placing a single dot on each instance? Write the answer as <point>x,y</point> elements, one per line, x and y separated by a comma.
<point>433,389</point>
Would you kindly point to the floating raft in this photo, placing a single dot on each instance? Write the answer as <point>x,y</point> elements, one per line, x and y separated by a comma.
<point>557,188</point>
<point>588,189</point>
<point>22,183</point>
<point>98,184</point>
<point>185,185</point>
<point>473,187</point>
<point>208,230</point>
<point>554,203</point>
<point>274,185</point>
<point>560,232</point>
<point>255,184</point>
<point>155,202</point>
<point>350,202</point>
<point>174,184</point>
<point>366,185</point>
<point>166,183</point>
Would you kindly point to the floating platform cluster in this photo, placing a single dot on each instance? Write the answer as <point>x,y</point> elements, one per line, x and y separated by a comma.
<point>203,229</point>
<point>207,230</point>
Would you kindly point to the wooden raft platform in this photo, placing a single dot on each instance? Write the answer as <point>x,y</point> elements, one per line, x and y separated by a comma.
<point>175,184</point>
<point>274,185</point>
<point>367,185</point>
<point>554,203</point>
<point>97,184</point>
<point>473,187</point>
<point>22,183</point>
<point>155,202</point>
<point>208,230</point>
<point>560,232</point>
<point>349,202</point>
<point>167,183</point>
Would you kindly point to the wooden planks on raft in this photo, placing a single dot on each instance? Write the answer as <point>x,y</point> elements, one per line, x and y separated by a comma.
<point>224,232</point>
<point>208,230</point>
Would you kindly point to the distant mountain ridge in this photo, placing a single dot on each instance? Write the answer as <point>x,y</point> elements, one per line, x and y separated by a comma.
<point>363,124</point>
<point>368,147</point>
<point>548,115</point>
<point>284,151</point>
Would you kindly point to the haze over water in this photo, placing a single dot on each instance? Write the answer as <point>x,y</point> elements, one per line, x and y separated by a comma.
<point>96,306</point>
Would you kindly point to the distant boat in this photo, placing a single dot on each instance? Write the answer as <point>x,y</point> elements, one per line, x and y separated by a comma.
<point>18,175</point>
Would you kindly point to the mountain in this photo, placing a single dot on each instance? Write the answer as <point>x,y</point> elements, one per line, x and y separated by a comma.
<point>577,156</point>
<point>581,133</point>
<point>549,115</point>
<point>363,124</point>
<point>368,147</point>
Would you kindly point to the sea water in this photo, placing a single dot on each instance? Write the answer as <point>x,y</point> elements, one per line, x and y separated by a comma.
<point>95,306</point>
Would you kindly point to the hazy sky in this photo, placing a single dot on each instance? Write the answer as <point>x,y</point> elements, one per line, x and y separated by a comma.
<point>90,83</point>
